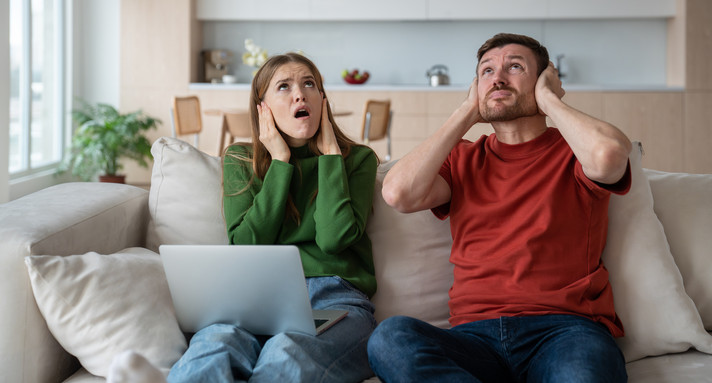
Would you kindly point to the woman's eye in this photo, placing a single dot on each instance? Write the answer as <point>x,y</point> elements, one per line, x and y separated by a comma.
<point>282,86</point>
<point>309,84</point>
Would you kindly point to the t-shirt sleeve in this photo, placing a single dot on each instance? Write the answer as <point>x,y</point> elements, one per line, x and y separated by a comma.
<point>621,187</point>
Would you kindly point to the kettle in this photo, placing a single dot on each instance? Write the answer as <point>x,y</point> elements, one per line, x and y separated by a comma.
<point>438,75</point>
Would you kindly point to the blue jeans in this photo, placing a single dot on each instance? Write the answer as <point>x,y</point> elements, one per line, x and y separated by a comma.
<point>548,348</point>
<point>227,353</point>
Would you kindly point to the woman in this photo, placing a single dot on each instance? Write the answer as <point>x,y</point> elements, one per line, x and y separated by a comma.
<point>301,182</point>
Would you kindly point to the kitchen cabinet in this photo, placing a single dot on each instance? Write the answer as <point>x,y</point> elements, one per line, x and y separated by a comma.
<point>486,10</point>
<point>367,10</point>
<point>252,9</point>
<point>606,9</point>
<point>548,9</point>
<point>431,9</point>
<point>310,10</point>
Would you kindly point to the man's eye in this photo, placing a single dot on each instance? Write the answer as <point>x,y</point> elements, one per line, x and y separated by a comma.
<point>516,67</point>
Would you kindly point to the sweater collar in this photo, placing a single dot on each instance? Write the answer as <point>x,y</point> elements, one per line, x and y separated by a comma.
<point>301,151</point>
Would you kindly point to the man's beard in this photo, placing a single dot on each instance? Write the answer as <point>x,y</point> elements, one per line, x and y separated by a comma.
<point>522,107</point>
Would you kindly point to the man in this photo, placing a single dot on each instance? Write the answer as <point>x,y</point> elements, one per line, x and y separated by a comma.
<point>531,301</point>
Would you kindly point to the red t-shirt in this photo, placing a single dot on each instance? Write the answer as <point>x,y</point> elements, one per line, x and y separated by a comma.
<point>528,231</point>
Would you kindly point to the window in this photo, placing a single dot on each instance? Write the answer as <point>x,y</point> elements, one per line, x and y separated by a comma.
<point>37,85</point>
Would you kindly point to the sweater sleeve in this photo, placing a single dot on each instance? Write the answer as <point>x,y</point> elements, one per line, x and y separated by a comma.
<point>254,216</point>
<point>344,200</point>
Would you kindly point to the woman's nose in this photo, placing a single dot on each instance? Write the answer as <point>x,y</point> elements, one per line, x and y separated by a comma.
<point>299,95</point>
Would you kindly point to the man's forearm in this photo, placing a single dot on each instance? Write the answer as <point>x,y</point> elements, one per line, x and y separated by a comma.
<point>413,183</point>
<point>601,148</point>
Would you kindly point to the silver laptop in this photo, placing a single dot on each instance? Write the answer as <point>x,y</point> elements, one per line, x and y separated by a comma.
<point>259,288</point>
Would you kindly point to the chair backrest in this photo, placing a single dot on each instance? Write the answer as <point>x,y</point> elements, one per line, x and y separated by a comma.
<point>376,120</point>
<point>235,125</point>
<point>186,115</point>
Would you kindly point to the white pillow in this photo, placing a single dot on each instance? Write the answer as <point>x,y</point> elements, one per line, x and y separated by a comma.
<point>411,255</point>
<point>98,306</point>
<point>683,203</point>
<point>657,314</point>
<point>185,201</point>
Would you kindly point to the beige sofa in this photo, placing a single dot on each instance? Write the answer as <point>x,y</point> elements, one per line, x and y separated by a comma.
<point>81,280</point>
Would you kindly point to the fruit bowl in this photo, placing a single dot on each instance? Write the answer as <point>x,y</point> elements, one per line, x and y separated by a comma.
<point>355,77</point>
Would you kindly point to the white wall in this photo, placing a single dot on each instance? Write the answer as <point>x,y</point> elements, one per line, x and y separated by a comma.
<point>4,100</point>
<point>618,52</point>
<point>97,50</point>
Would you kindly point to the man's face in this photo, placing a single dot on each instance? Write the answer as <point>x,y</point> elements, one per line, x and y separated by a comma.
<point>506,80</point>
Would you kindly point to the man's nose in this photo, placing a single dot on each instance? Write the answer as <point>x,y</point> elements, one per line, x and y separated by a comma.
<point>498,78</point>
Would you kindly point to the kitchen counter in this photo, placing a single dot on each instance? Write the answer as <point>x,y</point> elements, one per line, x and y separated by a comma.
<point>455,87</point>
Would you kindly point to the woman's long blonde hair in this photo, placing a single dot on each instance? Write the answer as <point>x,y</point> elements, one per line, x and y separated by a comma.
<point>259,158</point>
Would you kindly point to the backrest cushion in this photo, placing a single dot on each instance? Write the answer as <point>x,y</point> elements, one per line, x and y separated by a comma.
<point>185,201</point>
<point>683,203</point>
<point>411,255</point>
<point>657,314</point>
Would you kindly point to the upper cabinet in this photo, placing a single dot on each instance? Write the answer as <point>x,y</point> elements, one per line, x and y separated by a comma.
<point>368,9</point>
<point>431,9</point>
<point>610,9</point>
<point>252,9</point>
<point>548,9</point>
<point>311,9</point>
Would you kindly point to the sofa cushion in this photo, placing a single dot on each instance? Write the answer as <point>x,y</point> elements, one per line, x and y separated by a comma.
<point>657,314</point>
<point>98,306</point>
<point>185,201</point>
<point>411,255</point>
<point>683,203</point>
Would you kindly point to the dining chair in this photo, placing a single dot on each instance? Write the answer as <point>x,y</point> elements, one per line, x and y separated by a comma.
<point>377,116</point>
<point>186,117</point>
<point>235,125</point>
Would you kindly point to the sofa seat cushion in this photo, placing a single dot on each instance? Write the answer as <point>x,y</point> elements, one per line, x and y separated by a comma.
<point>689,366</point>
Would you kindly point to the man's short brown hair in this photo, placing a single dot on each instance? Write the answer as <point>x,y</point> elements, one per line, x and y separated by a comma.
<point>501,39</point>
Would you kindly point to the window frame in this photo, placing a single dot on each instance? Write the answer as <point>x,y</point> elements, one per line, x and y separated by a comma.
<point>61,21</point>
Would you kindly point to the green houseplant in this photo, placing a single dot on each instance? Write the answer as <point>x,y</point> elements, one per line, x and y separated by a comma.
<point>103,136</point>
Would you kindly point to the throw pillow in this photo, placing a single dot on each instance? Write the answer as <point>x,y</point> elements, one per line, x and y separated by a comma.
<point>683,203</point>
<point>185,201</point>
<point>98,306</point>
<point>657,314</point>
<point>411,254</point>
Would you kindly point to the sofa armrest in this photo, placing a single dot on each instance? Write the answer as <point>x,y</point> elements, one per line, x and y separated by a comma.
<point>66,219</point>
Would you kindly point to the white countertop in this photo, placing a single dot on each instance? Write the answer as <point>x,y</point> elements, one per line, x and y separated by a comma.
<point>455,87</point>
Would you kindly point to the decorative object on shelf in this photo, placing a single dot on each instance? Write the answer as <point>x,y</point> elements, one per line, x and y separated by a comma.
<point>103,137</point>
<point>216,64</point>
<point>355,77</point>
<point>438,75</point>
<point>255,55</point>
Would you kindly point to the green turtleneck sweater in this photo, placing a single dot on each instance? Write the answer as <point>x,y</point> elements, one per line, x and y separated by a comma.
<point>331,236</point>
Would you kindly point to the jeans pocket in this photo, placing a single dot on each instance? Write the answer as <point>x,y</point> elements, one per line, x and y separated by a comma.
<point>350,286</point>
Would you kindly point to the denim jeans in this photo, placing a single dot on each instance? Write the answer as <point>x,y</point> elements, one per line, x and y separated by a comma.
<point>548,348</point>
<point>227,353</point>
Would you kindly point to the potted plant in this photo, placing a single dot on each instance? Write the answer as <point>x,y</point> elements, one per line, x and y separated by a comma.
<point>104,136</point>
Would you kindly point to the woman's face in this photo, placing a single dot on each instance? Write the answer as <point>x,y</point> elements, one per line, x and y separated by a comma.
<point>295,102</point>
